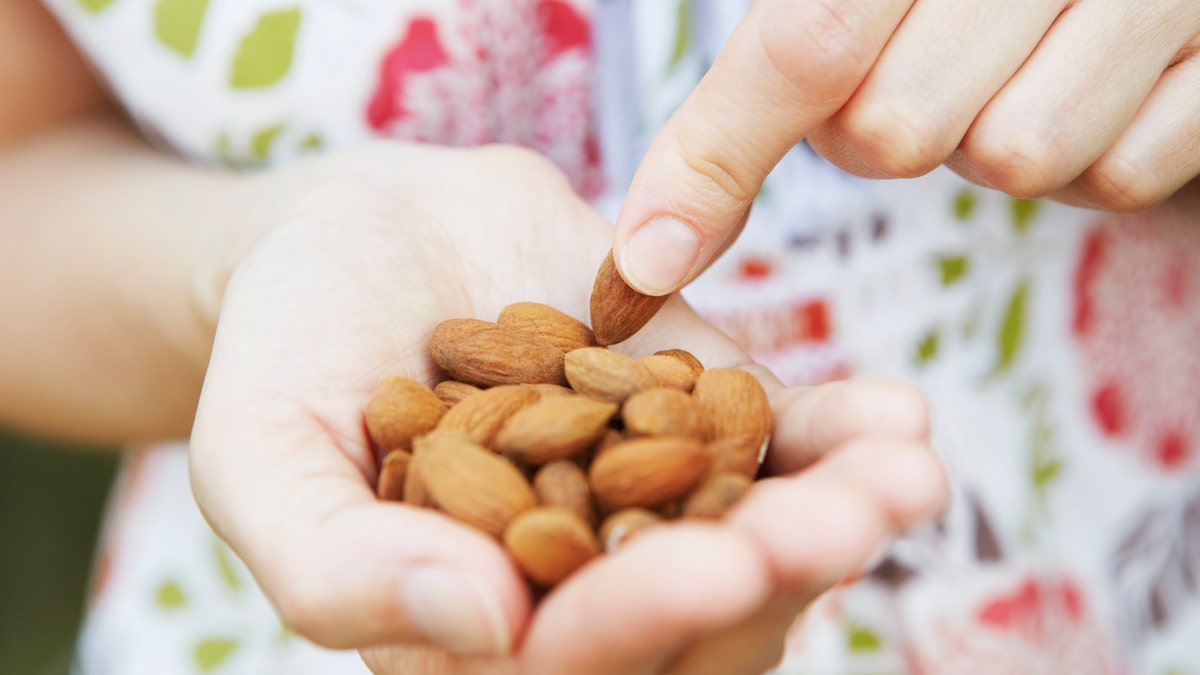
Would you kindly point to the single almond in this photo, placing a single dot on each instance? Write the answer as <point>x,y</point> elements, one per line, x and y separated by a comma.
<point>660,411</point>
<point>470,482</point>
<point>738,409</point>
<point>733,455</point>
<point>487,354</point>
<point>392,474</point>
<point>670,372</point>
<point>553,428</point>
<point>399,410</point>
<point>482,414</point>
<point>562,483</point>
<point>617,310</point>
<point>558,328</point>
<point>683,355</point>
<point>548,390</point>
<point>549,543</point>
<point>715,495</point>
<point>453,391</point>
<point>602,373</point>
<point>622,525</point>
<point>648,471</point>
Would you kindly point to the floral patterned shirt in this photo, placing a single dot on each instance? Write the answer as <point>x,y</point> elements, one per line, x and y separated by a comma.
<point>1060,348</point>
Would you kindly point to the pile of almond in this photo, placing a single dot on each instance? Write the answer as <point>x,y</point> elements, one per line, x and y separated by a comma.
<point>559,446</point>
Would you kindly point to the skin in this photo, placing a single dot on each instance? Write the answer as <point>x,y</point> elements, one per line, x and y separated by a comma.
<point>1090,102</point>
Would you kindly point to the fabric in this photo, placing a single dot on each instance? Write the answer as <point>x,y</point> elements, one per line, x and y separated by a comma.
<point>1058,347</point>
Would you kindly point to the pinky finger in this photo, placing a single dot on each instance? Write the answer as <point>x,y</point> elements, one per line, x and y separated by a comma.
<point>1156,155</point>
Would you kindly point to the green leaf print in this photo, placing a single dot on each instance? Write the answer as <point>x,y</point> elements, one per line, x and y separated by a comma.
<point>260,144</point>
<point>683,33</point>
<point>862,639</point>
<point>265,54</point>
<point>94,6</point>
<point>953,268</point>
<point>1012,329</point>
<point>1044,474</point>
<point>177,24</point>
<point>312,142</point>
<point>1023,211</point>
<point>170,596</point>
<point>225,566</point>
<point>927,348</point>
<point>964,204</point>
<point>211,653</point>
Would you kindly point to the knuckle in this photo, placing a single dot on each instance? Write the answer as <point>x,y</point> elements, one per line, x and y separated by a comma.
<point>896,138</point>
<point>1023,165</point>
<point>1118,184</point>
<point>821,45</point>
<point>715,176</point>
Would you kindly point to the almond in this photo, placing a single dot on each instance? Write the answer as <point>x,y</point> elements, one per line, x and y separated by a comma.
<point>619,527</point>
<point>732,455</point>
<point>453,391</point>
<point>663,411</point>
<point>607,375</point>
<point>487,354</point>
<point>562,483</point>
<point>715,495</point>
<point>648,471</point>
<point>553,428</point>
<point>399,410</point>
<point>470,482</point>
<point>669,371</point>
<point>548,390</point>
<point>414,488</point>
<point>482,414</point>
<point>392,474</point>
<point>559,329</point>
<point>617,310</point>
<point>683,355</point>
<point>738,409</point>
<point>549,543</point>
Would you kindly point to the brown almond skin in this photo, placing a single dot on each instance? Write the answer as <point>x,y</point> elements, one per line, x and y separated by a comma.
<point>602,373</point>
<point>490,354</point>
<point>453,391</point>
<point>415,493</point>
<point>392,475</point>
<point>562,483</point>
<point>733,455</point>
<point>548,390</point>
<point>737,407</point>
<point>622,525</point>
<point>648,471</point>
<point>683,355</point>
<point>715,495</point>
<point>671,372</point>
<point>617,310</point>
<point>481,415</point>
<point>470,482</point>
<point>558,328</point>
<point>549,543</point>
<point>399,410</point>
<point>663,411</point>
<point>553,428</point>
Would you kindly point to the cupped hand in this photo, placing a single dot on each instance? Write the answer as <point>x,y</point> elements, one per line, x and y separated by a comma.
<point>1091,102</point>
<point>372,249</point>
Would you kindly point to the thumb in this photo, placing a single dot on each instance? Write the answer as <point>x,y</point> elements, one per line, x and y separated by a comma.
<point>787,66</point>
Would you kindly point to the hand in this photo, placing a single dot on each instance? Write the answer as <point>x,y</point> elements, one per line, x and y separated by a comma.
<point>1094,102</point>
<point>375,247</point>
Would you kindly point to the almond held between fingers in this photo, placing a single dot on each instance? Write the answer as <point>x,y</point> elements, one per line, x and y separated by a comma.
<point>715,495</point>
<point>648,471</point>
<point>549,543</point>
<point>553,428</point>
<point>558,328</point>
<point>453,391</point>
<point>620,526</point>
<point>487,354</point>
<point>602,373</point>
<point>470,482</point>
<point>482,414</point>
<point>392,474</point>
<point>617,310</point>
<point>399,410</point>
<point>737,406</point>
<point>662,411</point>
<point>669,371</point>
<point>562,483</point>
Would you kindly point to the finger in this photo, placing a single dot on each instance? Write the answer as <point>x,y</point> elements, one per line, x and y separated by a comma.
<point>1029,143</point>
<point>428,660</point>
<point>751,648</point>
<point>785,68</point>
<point>639,604</point>
<point>1155,156</point>
<point>930,83</point>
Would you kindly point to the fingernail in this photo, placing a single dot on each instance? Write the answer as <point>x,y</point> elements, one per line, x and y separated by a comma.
<point>659,254</point>
<point>454,610</point>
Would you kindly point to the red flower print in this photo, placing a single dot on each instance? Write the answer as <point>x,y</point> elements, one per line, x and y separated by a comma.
<point>1137,320</point>
<point>507,71</point>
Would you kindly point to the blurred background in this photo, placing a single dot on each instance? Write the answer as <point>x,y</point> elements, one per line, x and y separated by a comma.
<point>52,496</point>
